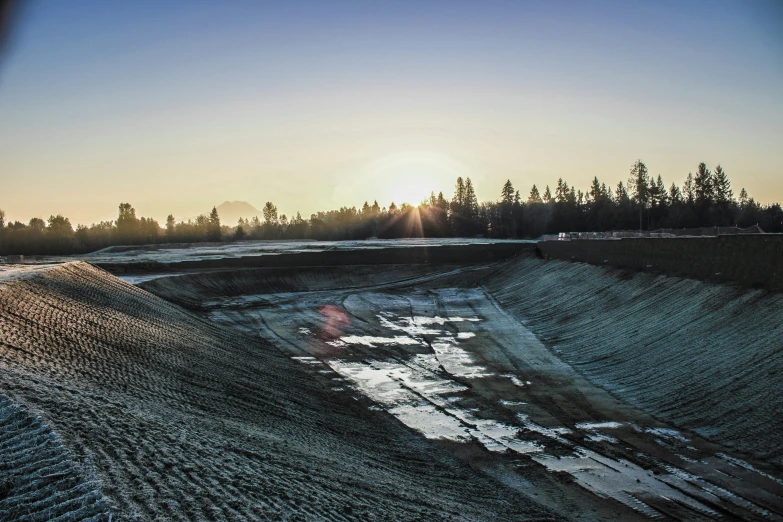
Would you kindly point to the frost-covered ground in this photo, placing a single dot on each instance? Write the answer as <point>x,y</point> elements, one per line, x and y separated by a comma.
<point>115,403</point>
<point>439,351</point>
<point>522,389</point>
<point>207,251</point>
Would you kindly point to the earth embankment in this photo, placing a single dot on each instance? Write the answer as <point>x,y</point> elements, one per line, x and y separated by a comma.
<point>454,352</point>
<point>179,418</point>
<point>412,255</point>
<point>705,356</point>
<point>752,260</point>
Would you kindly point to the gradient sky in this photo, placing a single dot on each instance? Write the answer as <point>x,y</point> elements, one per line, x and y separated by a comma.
<point>176,106</point>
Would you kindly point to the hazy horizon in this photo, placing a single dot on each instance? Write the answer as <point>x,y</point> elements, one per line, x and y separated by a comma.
<point>177,107</point>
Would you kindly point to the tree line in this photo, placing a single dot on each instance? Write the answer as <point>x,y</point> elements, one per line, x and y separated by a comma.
<point>705,199</point>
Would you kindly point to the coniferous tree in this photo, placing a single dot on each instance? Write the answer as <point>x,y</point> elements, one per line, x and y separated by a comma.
<point>547,195</point>
<point>688,190</point>
<point>471,201</point>
<point>703,185</point>
<point>743,198</point>
<point>674,194</point>
<point>507,193</point>
<point>722,186</point>
<point>639,186</point>
<point>170,226</point>
<point>534,196</point>
<point>595,191</point>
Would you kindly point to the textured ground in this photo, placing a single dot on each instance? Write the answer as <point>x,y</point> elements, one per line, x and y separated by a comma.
<point>526,389</point>
<point>451,352</point>
<point>705,356</point>
<point>115,401</point>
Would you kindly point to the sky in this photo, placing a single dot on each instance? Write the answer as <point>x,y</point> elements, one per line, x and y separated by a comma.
<point>177,106</point>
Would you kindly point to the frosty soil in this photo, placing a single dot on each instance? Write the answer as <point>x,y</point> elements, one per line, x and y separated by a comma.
<point>448,363</point>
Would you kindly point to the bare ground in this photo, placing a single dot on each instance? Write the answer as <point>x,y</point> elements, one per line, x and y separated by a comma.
<point>159,414</point>
<point>452,353</point>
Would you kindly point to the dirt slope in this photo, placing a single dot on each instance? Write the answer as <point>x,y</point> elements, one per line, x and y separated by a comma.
<point>434,347</point>
<point>708,357</point>
<point>177,418</point>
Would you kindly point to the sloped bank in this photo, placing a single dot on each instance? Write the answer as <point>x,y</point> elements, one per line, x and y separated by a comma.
<point>180,419</point>
<point>708,357</point>
<point>752,260</point>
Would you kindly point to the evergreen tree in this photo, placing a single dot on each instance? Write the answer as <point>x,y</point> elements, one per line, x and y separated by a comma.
<point>561,191</point>
<point>620,194</point>
<point>743,198</point>
<point>534,196</point>
<point>595,191</point>
<point>459,192</point>
<point>639,185</point>
<point>688,190</point>
<point>213,225</point>
<point>170,224</point>
<point>722,186</point>
<point>674,194</point>
<point>471,201</point>
<point>547,195</point>
<point>703,185</point>
<point>270,213</point>
<point>507,193</point>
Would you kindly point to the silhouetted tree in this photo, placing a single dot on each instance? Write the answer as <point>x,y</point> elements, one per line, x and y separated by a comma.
<point>639,186</point>
<point>534,196</point>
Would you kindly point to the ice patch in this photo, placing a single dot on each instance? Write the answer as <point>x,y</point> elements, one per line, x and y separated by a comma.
<point>666,433</point>
<point>597,425</point>
<point>457,361</point>
<point>516,380</point>
<point>371,341</point>
<point>618,479</point>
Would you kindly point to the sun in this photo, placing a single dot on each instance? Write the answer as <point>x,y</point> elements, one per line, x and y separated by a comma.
<point>409,177</point>
<point>410,188</point>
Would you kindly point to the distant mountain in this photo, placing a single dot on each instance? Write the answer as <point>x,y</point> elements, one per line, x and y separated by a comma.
<point>231,211</point>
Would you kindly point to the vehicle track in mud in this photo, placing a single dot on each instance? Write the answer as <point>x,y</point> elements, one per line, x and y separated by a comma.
<point>178,418</point>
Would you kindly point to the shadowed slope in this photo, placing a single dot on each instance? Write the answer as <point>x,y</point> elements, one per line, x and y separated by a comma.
<point>178,418</point>
<point>708,357</point>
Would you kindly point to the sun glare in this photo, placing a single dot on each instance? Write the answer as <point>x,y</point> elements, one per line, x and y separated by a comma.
<point>409,177</point>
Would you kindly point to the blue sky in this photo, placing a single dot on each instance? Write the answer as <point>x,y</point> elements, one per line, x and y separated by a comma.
<point>178,106</point>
